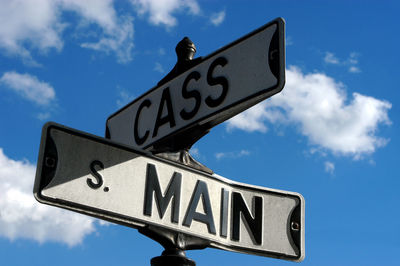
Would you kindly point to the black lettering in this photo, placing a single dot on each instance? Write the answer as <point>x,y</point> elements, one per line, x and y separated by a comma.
<point>140,140</point>
<point>212,81</point>
<point>254,225</point>
<point>169,118</point>
<point>200,190</point>
<point>191,94</point>
<point>173,190</point>
<point>95,174</point>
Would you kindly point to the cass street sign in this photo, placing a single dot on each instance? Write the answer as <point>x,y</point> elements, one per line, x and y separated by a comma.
<point>222,85</point>
<point>97,177</point>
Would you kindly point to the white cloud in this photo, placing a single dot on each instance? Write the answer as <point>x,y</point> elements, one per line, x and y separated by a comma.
<point>354,69</point>
<point>160,11</point>
<point>233,155</point>
<point>330,58</point>
<point>317,104</point>
<point>37,25</point>
<point>32,24</point>
<point>117,39</point>
<point>29,87</point>
<point>27,26</point>
<point>254,119</point>
<point>43,116</point>
<point>117,32</point>
<point>21,216</point>
<point>100,12</point>
<point>353,58</point>
<point>351,62</point>
<point>329,167</point>
<point>217,18</point>
<point>251,120</point>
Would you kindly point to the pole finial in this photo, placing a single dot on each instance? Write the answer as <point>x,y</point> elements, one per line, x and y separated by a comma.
<point>185,49</point>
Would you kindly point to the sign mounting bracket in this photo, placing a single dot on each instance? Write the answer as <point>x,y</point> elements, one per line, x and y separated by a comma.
<point>174,243</point>
<point>178,147</point>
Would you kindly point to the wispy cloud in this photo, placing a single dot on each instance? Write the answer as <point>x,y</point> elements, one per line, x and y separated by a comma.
<point>38,25</point>
<point>231,155</point>
<point>354,69</point>
<point>217,18</point>
<point>161,12</point>
<point>21,216</point>
<point>318,106</point>
<point>329,167</point>
<point>159,68</point>
<point>124,97</point>
<point>43,116</point>
<point>116,35</point>
<point>29,87</point>
<point>351,62</point>
<point>289,41</point>
<point>330,58</point>
<point>29,23</point>
<point>117,39</point>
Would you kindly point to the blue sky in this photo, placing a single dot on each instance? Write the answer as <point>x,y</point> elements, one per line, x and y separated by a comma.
<point>329,135</point>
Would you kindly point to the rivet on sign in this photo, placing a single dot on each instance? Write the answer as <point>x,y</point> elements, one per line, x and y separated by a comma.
<point>50,162</point>
<point>295,226</point>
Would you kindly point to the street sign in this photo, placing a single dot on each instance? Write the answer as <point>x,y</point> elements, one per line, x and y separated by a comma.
<point>97,177</point>
<point>222,85</point>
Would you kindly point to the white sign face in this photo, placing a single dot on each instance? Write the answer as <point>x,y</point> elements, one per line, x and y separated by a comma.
<point>92,175</point>
<point>224,84</point>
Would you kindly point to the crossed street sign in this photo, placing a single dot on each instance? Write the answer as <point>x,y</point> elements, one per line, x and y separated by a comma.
<point>97,177</point>
<point>118,179</point>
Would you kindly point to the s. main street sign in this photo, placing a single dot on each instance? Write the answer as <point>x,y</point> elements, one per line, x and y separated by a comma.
<point>97,177</point>
<point>222,85</point>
